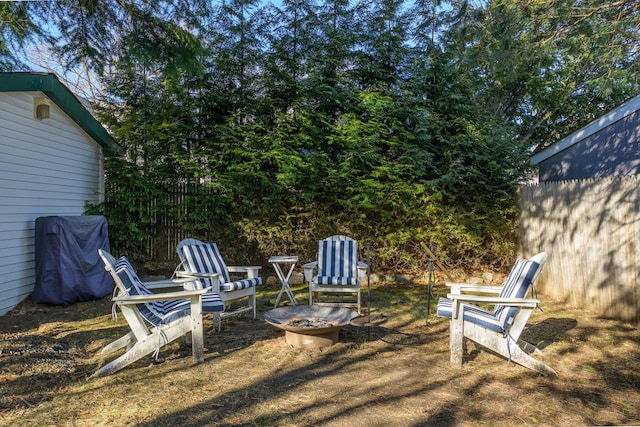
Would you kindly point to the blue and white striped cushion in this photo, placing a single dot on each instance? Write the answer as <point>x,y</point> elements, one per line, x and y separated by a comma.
<point>336,280</point>
<point>212,303</point>
<point>240,284</point>
<point>155,312</point>
<point>517,285</point>
<point>337,262</point>
<point>206,258</point>
<point>472,313</point>
<point>159,311</point>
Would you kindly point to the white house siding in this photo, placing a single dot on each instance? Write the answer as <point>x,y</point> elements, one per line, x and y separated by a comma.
<point>47,167</point>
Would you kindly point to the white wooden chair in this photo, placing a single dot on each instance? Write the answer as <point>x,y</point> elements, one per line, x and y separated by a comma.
<point>498,330</point>
<point>203,263</point>
<point>154,319</point>
<point>339,272</point>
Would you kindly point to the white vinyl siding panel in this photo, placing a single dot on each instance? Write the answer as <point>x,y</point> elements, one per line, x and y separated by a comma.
<point>47,167</point>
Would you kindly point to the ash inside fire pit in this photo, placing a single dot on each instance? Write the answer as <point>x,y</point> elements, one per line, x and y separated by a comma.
<point>297,322</point>
<point>310,326</point>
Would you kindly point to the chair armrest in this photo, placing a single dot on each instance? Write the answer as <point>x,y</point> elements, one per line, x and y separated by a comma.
<point>138,299</point>
<point>457,288</point>
<point>169,283</point>
<point>308,270</point>
<point>187,275</point>
<point>458,299</point>
<point>251,271</point>
<point>480,299</point>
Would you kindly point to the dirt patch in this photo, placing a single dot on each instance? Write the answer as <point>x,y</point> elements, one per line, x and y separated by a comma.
<point>393,369</point>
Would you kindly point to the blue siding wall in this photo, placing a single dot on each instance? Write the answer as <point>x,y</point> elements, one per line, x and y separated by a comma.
<point>612,151</point>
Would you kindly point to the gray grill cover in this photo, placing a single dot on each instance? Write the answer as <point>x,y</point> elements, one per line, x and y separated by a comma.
<point>68,267</point>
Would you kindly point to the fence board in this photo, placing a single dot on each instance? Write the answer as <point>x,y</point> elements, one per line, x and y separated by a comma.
<point>590,228</point>
<point>163,225</point>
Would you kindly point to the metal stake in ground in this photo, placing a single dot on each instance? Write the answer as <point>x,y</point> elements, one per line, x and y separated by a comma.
<point>433,259</point>
<point>431,281</point>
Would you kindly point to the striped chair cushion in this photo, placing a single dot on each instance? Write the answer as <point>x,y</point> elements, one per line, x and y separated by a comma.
<point>206,258</point>
<point>240,284</point>
<point>517,285</point>
<point>155,312</point>
<point>212,303</point>
<point>336,280</point>
<point>472,313</point>
<point>337,262</point>
<point>158,311</point>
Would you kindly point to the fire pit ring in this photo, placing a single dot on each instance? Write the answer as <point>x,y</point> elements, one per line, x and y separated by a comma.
<point>310,326</point>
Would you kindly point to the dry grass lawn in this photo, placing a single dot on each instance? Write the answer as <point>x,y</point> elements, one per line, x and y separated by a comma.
<point>393,373</point>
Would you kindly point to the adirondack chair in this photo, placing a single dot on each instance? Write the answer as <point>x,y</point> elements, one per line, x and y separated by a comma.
<point>498,330</point>
<point>338,272</point>
<point>203,263</point>
<point>155,319</point>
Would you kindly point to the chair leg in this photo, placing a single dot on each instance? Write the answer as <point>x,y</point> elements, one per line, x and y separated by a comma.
<point>528,347</point>
<point>139,350</point>
<point>456,341</point>
<point>252,298</point>
<point>125,341</point>
<point>521,357</point>
<point>197,331</point>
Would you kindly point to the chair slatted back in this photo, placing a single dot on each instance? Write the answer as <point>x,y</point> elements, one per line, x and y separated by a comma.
<point>154,312</point>
<point>204,257</point>
<point>337,262</point>
<point>517,285</point>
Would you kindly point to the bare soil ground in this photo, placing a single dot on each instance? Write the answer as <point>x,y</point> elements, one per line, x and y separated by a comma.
<point>394,372</point>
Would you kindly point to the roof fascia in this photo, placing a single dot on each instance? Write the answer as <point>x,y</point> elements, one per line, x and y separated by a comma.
<point>618,113</point>
<point>49,84</point>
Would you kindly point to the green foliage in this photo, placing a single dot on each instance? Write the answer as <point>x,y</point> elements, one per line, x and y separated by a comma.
<point>549,67</point>
<point>16,26</point>
<point>127,207</point>
<point>267,128</point>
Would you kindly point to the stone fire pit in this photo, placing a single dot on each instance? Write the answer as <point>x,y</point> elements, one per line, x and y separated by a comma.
<point>310,326</point>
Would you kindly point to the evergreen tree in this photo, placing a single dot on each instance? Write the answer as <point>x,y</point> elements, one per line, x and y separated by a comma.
<point>383,46</point>
<point>291,43</point>
<point>237,51</point>
<point>376,119</point>
<point>16,27</point>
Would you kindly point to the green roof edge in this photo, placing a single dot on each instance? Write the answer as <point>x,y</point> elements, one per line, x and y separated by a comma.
<point>49,84</point>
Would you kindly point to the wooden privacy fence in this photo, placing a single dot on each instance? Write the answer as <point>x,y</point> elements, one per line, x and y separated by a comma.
<point>168,217</point>
<point>591,230</point>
